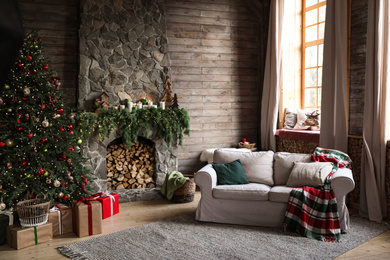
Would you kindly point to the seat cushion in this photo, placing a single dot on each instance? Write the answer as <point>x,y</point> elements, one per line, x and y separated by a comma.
<point>251,191</point>
<point>280,193</point>
<point>258,166</point>
<point>284,163</point>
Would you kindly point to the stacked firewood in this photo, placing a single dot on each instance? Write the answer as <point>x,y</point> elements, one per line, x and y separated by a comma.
<point>130,168</point>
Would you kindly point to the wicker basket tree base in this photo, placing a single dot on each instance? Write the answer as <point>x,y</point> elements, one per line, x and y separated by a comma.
<point>185,193</point>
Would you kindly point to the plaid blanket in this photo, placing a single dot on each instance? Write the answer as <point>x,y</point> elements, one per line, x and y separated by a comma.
<point>313,212</point>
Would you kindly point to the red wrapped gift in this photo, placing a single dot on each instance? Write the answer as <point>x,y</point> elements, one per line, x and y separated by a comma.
<point>110,203</point>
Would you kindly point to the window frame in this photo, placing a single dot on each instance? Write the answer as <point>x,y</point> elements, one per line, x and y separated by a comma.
<point>317,42</point>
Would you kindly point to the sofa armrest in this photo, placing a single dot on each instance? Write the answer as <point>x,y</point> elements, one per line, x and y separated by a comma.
<point>342,182</point>
<point>206,179</point>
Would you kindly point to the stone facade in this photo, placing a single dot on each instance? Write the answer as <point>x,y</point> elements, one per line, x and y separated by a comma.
<point>123,50</point>
<point>165,161</point>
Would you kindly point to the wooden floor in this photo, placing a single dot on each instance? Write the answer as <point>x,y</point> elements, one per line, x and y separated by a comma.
<point>139,213</point>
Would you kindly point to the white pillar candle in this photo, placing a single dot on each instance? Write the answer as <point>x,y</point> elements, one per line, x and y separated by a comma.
<point>122,107</point>
<point>150,103</point>
<point>154,106</point>
<point>139,105</point>
<point>130,106</point>
<point>162,104</point>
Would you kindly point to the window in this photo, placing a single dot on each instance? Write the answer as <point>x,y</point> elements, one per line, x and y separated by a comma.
<point>313,21</point>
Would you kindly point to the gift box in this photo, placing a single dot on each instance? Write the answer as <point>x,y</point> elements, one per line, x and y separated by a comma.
<point>109,201</point>
<point>21,237</point>
<point>87,217</point>
<point>7,218</point>
<point>61,218</point>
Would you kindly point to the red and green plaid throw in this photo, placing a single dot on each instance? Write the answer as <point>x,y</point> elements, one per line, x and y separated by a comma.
<point>313,212</point>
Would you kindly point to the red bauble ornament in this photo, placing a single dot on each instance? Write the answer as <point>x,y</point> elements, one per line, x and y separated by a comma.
<point>45,67</point>
<point>44,141</point>
<point>30,135</point>
<point>39,39</point>
<point>20,65</point>
<point>29,57</point>
<point>62,129</point>
<point>32,195</point>
<point>66,197</point>
<point>41,171</point>
<point>43,106</point>
<point>71,148</point>
<point>60,110</point>
<point>71,132</point>
<point>18,129</point>
<point>70,126</point>
<point>18,121</point>
<point>24,163</point>
<point>2,144</point>
<point>61,156</point>
<point>243,140</point>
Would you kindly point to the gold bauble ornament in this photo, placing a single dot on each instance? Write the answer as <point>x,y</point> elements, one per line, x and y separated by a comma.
<point>9,142</point>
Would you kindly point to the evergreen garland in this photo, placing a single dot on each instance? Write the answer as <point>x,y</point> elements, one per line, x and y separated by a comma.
<point>167,122</point>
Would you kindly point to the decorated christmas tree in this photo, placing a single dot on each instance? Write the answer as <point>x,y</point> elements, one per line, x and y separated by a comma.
<point>39,140</point>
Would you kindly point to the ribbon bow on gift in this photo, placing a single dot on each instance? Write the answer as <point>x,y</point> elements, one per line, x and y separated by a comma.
<point>103,195</point>
<point>57,208</point>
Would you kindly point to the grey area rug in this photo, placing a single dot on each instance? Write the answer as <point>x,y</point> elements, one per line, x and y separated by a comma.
<point>184,238</point>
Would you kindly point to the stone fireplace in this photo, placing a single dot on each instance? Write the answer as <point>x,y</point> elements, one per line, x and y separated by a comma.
<point>165,160</point>
<point>124,54</point>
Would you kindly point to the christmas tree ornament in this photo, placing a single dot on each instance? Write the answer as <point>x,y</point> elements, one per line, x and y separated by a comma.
<point>62,129</point>
<point>43,106</point>
<point>9,142</point>
<point>61,195</point>
<point>2,144</point>
<point>2,205</point>
<point>48,180</point>
<point>30,135</point>
<point>79,142</point>
<point>44,141</point>
<point>61,157</point>
<point>77,148</point>
<point>1,101</point>
<point>9,110</point>
<point>70,126</point>
<point>36,46</point>
<point>19,128</point>
<point>41,171</point>
<point>66,197</point>
<point>60,110</point>
<point>57,183</point>
<point>9,165</point>
<point>24,163</point>
<point>45,67</point>
<point>46,173</point>
<point>26,91</point>
<point>7,87</point>
<point>71,132</point>
<point>27,116</point>
<point>45,150</point>
<point>29,57</point>
<point>69,161</point>
<point>45,123</point>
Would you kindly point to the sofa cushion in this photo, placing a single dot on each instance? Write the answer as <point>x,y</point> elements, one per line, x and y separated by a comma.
<point>258,166</point>
<point>280,193</point>
<point>284,163</point>
<point>230,173</point>
<point>251,191</point>
<point>309,174</point>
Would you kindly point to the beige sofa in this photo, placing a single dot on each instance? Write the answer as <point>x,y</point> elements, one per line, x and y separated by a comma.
<point>263,201</point>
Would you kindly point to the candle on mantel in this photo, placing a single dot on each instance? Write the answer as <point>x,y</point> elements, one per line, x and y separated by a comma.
<point>139,105</point>
<point>150,103</point>
<point>130,106</point>
<point>122,107</point>
<point>162,104</point>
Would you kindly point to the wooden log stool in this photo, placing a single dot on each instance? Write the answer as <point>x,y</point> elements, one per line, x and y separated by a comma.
<point>185,193</point>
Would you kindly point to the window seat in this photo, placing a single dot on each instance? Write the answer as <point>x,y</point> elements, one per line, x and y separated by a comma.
<point>304,135</point>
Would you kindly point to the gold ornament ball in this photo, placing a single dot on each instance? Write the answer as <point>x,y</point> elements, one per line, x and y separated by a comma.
<point>9,143</point>
<point>61,195</point>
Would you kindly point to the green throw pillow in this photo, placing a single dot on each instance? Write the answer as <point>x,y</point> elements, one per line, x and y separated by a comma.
<point>230,173</point>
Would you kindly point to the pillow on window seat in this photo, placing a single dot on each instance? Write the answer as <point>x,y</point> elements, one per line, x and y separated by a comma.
<point>301,118</point>
<point>309,174</point>
<point>230,173</point>
<point>290,118</point>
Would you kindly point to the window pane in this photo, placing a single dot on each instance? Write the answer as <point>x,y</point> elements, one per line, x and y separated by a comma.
<point>311,56</point>
<point>310,77</point>
<point>320,54</point>
<point>311,33</point>
<point>311,97</point>
<point>319,96</point>
<point>311,2</point>
<point>320,76</point>
<point>311,17</point>
<point>322,30</point>
<point>321,15</point>
<point>322,1</point>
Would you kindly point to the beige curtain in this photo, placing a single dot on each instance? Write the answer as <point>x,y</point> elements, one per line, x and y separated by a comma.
<point>272,77</point>
<point>372,180</point>
<point>335,91</point>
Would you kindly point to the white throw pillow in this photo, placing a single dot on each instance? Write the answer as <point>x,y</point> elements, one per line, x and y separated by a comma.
<point>301,118</point>
<point>290,118</point>
<point>309,174</point>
